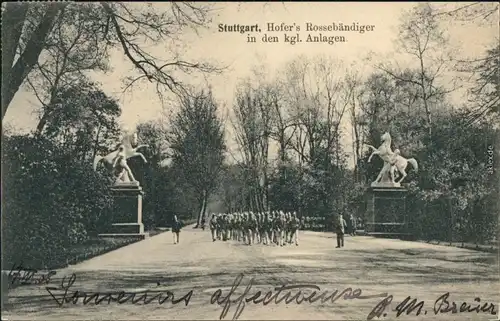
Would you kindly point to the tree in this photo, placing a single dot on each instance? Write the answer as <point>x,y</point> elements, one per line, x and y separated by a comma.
<point>71,49</point>
<point>421,37</point>
<point>456,180</point>
<point>353,81</point>
<point>197,145</point>
<point>154,174</point>
<point>232,190</point>
<point>389,104</point>
<point>317,95</point>
<point>14,17</point>
<point>29,31</point>
<point>83,120</point>
<point>283,124</point>
<point>318,98</point>
<point>485,94</point>
<point>154,133</point>
<point>252,126</point>
<point>477,12</point>
<point>483,98</point>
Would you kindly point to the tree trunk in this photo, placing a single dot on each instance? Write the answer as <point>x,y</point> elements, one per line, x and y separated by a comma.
<point>15,75</point>
<point>424,96</point>
<point>282,147</point>
<point>13,20</point>
<point>96,142</point>
<point>356,142</point>
<point>201,214</point>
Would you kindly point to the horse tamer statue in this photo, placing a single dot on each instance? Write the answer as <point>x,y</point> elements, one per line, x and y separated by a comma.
<point>392,161</point>
<point>116,161</point>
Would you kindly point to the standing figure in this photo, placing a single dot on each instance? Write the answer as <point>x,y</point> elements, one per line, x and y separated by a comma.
<point>286,229</point>
<point>280,226</point>
<point>353,224</point>
<point>176,229</point>
<point>255,219</point>
<point>224,226</point>
<point>229,227</point>
<point>276,227</point>
<point>262,228</point>
<point>246,227</point>
<point>260,223</point>
<point>237,227</point>
<point>272,227</point>
<point>340,227</point>
<point>250,228</point>
<point>289,227</point>
<point>294,225</point>
<point>349,226</point>
<point>265,229</point>
<point>124,173</point>
<point>233,226</point>
<point>220,225</point>
<point>213,227</point>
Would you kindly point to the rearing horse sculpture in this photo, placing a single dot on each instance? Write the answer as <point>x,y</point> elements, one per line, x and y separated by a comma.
<point>392,160</point>
<point>119,157</point>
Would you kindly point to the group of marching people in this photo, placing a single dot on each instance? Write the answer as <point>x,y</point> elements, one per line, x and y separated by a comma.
<point>275,227</point>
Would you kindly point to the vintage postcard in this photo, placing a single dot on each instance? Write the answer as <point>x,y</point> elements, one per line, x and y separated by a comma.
<point>250,160</point>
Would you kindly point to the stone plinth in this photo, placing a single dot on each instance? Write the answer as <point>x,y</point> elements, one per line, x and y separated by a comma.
<point>385,185</point>
<point>127,211</point>
<point>386,211</point>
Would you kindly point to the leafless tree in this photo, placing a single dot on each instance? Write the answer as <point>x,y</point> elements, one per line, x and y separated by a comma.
<point>28,30</point>
<point>318,98</point>
<point>252,127</point>
<point>71,49</point>
<point>421,37</point>
<point>477,12</point>
<point>354,84</point>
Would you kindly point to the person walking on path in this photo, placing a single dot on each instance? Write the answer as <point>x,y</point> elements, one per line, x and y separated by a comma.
<point>213,226</point>
<point>340,230</point>
<point>294,227</point>
<point>176,229</point>
<point>348,228</point>
<point>353,225</point>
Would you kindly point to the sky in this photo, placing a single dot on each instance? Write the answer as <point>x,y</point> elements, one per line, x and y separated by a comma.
<point>241,57</point>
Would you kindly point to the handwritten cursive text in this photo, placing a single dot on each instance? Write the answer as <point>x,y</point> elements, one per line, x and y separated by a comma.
<point>19,274</point>
<point>305,293</point>
<point>121,297</point>
<point>441,305</point>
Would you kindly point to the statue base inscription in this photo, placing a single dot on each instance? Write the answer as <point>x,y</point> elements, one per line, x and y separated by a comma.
<point>127,213</point>
<point>386,211</point>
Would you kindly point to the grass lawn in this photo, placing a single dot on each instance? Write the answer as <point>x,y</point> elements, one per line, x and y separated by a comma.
<point>95,246</point>
<point>99,245</point>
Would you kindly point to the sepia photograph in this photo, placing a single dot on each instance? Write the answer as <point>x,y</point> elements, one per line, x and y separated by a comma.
<point>279,160</point>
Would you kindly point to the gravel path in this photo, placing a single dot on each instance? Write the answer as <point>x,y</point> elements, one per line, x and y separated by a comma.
<point>375,266</point>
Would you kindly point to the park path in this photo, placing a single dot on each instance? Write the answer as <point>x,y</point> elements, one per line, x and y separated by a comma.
<point>401,268</point>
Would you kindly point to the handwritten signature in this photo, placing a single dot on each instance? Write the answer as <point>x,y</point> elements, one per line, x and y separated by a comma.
<point>442,305</point>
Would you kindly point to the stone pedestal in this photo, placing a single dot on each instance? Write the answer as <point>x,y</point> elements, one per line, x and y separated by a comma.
<point>386,211</point>
<point>127,212</point>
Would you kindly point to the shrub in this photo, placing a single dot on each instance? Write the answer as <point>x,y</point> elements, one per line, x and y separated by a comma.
<point>49,202</point>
